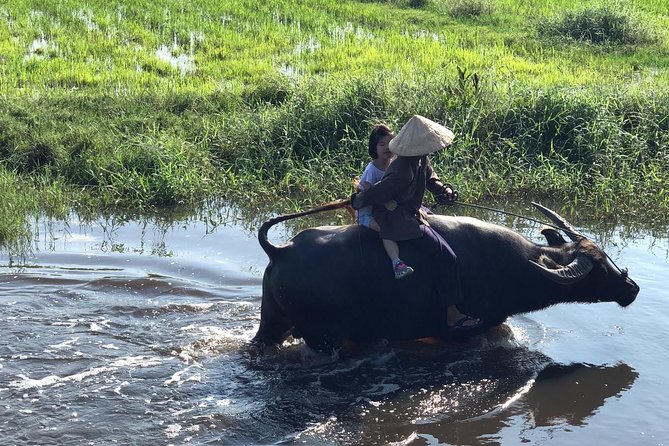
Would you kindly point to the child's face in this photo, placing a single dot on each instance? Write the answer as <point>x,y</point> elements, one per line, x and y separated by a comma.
<point>382,150</point>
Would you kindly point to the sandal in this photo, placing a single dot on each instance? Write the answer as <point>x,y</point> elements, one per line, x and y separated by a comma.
<point>460,327</point>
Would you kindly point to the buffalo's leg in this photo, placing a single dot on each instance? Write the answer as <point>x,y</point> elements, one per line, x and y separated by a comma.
<point>275,326</point>
<point>324,341</point>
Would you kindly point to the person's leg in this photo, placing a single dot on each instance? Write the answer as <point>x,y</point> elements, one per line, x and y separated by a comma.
<point>447,278</point>
<point>392,249</point>
<point>390,246</point>
<point>455,318</point>
<point>400,268</point>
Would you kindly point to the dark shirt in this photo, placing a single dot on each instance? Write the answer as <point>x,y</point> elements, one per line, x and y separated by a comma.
<point>405,182</point>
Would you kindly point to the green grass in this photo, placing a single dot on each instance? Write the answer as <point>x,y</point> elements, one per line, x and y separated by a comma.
<point>611,25</point>
<point>140,106</point>
<point>172,44</point>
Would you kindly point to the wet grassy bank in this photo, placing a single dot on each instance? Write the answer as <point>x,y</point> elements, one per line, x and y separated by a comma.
<point>250,104</point>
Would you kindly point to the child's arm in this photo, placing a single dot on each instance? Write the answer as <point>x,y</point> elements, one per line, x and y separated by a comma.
<point>364,185</point>
<point>397,178</point>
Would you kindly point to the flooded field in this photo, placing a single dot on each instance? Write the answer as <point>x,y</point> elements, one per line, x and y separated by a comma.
<point>137,333</point>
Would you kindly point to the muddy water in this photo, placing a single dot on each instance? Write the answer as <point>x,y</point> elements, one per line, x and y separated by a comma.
<point>136,333</point>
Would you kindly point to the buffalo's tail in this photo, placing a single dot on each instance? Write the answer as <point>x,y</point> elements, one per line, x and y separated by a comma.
<point>271,249</point>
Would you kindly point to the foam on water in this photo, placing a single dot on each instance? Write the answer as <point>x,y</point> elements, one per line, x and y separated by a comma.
<point>25,382</point>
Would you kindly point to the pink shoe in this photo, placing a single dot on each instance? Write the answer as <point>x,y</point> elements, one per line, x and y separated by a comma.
<point>402,270</point>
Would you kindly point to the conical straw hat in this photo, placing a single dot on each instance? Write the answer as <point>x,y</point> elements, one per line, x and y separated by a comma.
<point>420,136</point>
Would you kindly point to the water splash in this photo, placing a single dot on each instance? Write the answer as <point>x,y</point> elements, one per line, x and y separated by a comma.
<point>182,62</point>
<point>310,46</point>
<point>339,33</point>
<point>86,16</point>
<point>40,48</point>
<point>174,55</point>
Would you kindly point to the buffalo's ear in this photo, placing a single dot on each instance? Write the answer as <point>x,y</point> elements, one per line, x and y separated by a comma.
<point>561,223</point>
<point>552,236</point>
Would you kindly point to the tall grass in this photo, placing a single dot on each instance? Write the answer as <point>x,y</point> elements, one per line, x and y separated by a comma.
<point>606,24</point>
<point>607,149</point>
<point>141,150</point>
<point>140,106</point>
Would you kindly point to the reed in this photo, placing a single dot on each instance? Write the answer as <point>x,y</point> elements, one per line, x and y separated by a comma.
<point>153,104</point>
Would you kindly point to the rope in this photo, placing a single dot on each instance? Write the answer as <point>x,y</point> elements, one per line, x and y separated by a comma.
<point>337,204</point>
<point>478,206</point>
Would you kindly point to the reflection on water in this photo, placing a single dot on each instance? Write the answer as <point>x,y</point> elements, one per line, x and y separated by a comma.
<point>543,403</point>
<point>155,235</point>
<point>583,389</point>
<point>561,397</point>
<point>123,331</point>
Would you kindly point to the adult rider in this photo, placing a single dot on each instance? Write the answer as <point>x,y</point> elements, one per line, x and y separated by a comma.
<point>405,182</point>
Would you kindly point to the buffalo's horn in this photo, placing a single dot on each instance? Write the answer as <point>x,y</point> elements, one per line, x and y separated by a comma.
<point>567,275</point>
<point>559,221</point>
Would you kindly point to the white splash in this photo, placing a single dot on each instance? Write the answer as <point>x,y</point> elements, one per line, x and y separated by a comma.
<point>54,380</point>
<point>407,441</point>
<point>137,361</point>
<point>178,377</point>
<point>65,344</point>
<point>69,324</point>
<point>172,430</point>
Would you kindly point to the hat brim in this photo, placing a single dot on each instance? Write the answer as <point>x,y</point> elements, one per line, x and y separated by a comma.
<point>420,136</point>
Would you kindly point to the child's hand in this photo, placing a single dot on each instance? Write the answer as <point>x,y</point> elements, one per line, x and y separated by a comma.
<point>390,205</point>
<point>364,185</point>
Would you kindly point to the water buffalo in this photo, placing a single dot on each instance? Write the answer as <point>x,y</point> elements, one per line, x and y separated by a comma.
<point>333,284</point>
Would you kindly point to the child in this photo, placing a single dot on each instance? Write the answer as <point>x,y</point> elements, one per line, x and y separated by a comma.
<point>381,155</point>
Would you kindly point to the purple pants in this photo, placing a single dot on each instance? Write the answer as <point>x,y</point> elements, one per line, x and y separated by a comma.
<point>446,276</point>
<point>434,243</point>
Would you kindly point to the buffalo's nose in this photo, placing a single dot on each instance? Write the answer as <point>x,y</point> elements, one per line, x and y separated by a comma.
<point>631,292</point>
<point>635,288</point>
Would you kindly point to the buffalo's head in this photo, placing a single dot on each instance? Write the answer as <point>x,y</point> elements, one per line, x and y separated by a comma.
<point>589,269</point>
